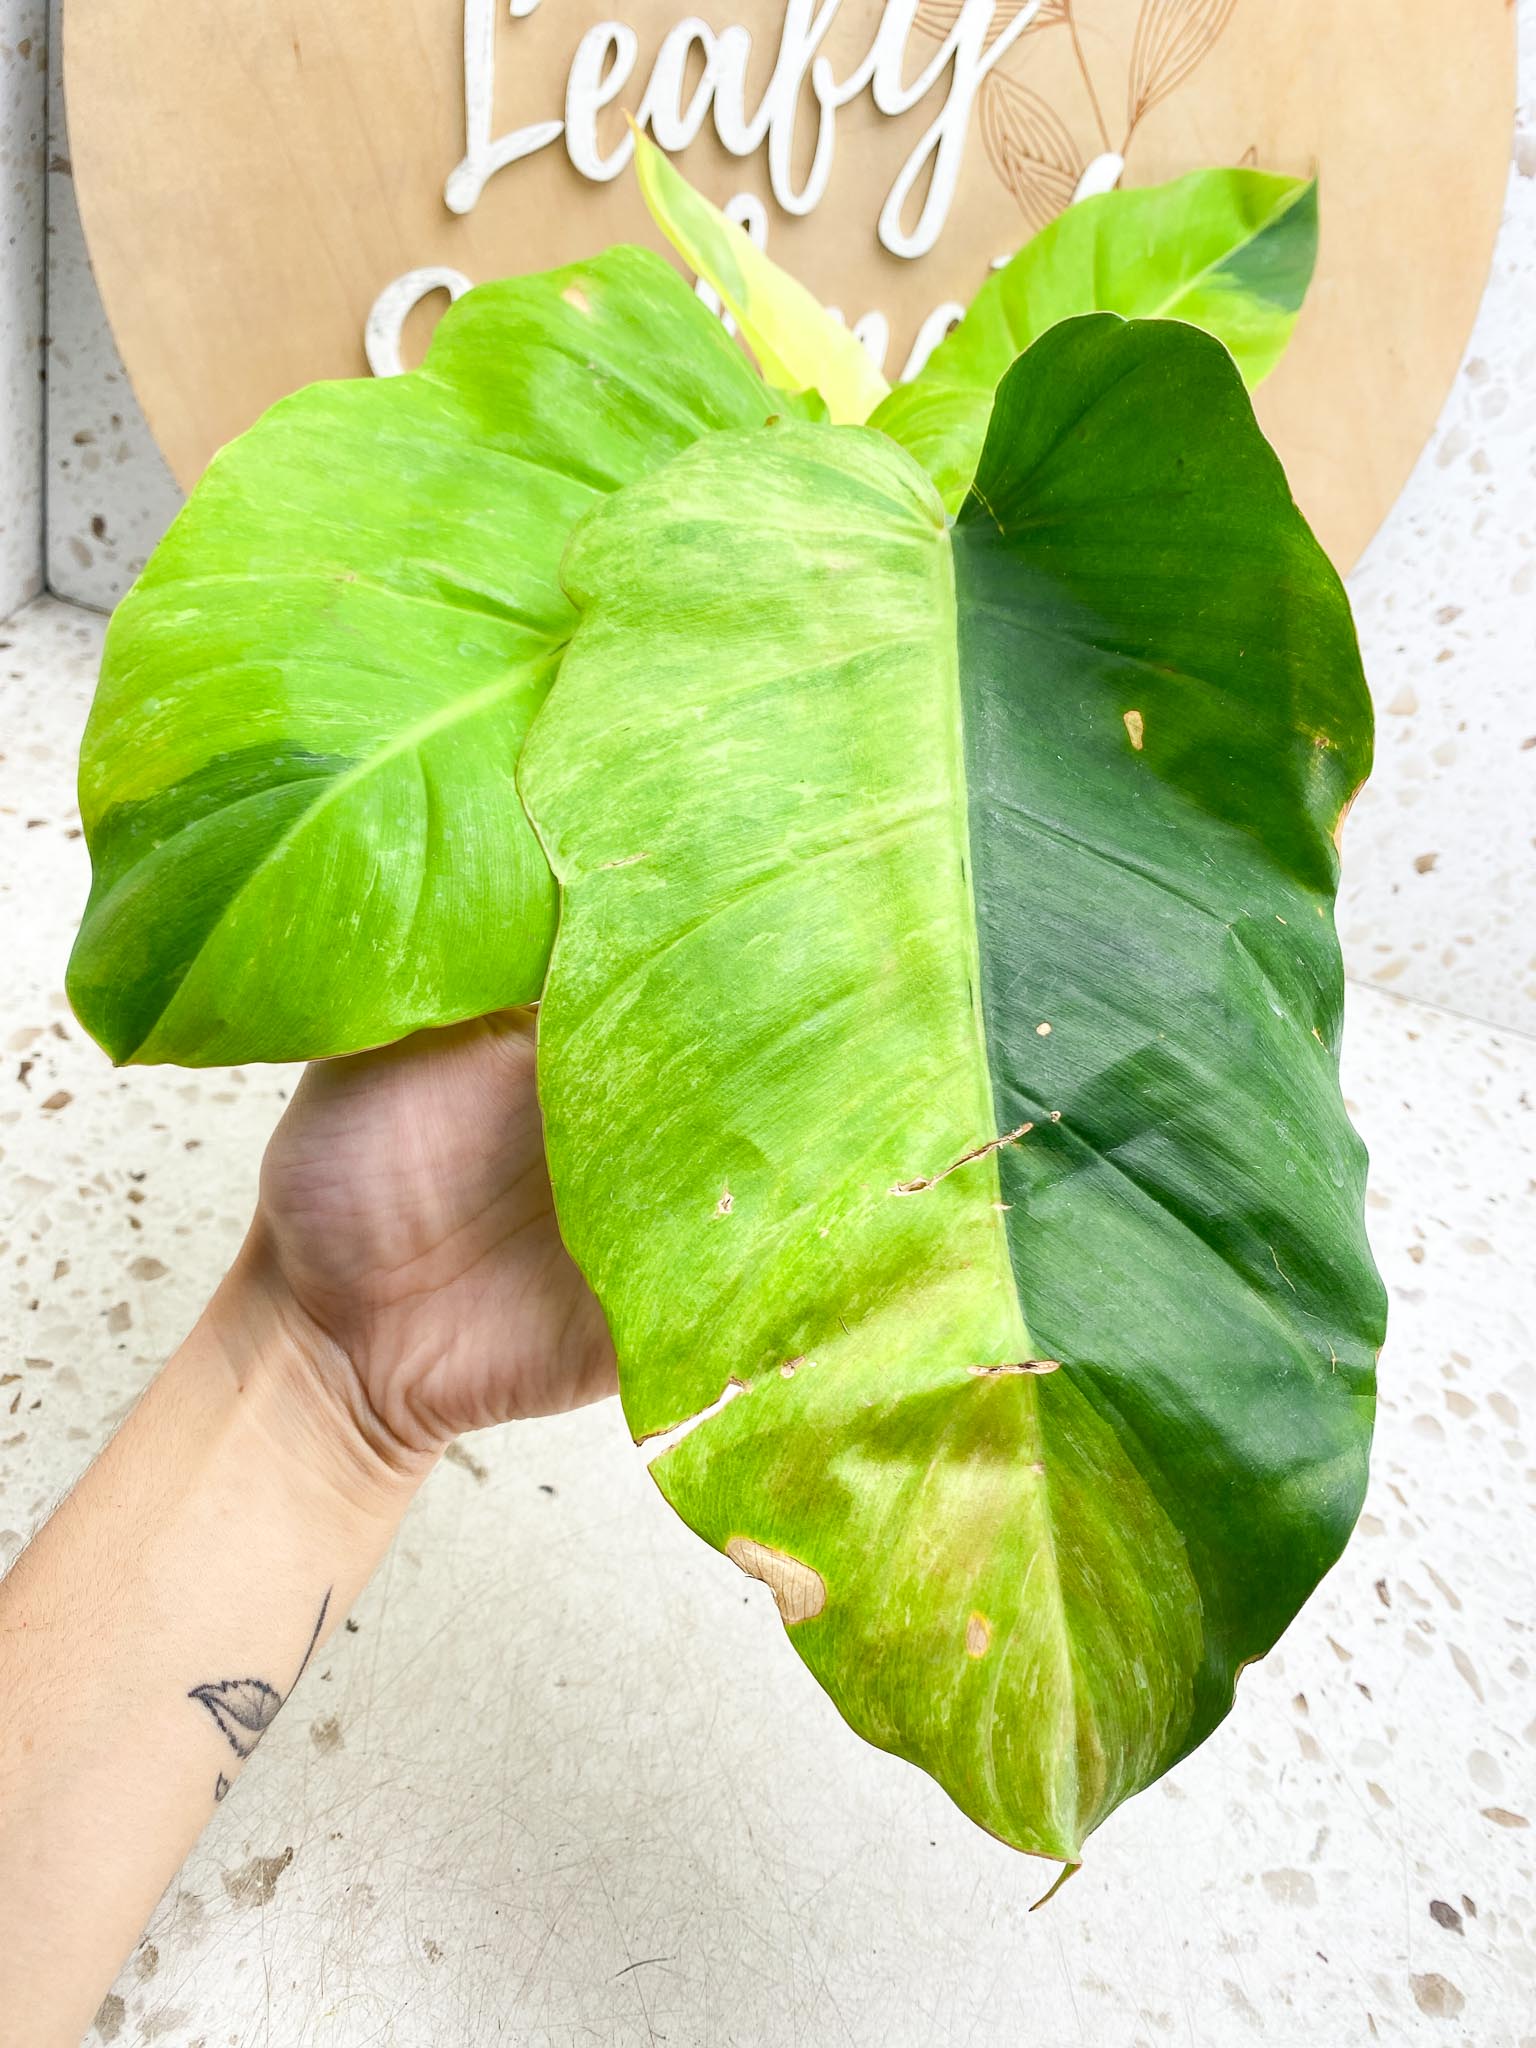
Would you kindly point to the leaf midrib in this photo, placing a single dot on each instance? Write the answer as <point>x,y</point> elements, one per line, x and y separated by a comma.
<point>497,613</point>
<point>1067,1793</point>
<point>1220,263</point>
<point>1162,311</point>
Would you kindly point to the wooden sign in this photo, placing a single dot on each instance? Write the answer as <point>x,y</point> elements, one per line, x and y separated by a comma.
<point>289,191</point>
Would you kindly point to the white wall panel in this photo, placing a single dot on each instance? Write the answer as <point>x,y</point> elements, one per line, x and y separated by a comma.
<point>23,92</point>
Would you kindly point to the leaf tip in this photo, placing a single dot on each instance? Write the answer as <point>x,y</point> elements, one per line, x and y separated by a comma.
<point>1067,1870</point>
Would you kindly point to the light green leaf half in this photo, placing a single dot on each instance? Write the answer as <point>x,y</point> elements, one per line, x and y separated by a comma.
<point>297,779</point>
<point>798,344</point>
<point>940,1045</point>
<point>1229,251</point>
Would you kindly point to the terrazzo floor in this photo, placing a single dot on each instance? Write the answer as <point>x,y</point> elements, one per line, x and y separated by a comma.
<point>566,1783</point>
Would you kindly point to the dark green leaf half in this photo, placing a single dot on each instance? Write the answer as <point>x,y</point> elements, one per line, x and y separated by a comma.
<point>940,1044</point>
<point>297,779</point>
<point>1229,251</point>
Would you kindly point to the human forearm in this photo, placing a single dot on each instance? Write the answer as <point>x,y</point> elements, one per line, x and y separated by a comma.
<point>154,1627</point>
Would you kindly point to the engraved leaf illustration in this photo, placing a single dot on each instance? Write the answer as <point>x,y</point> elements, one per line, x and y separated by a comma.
<point>937,17</point>
<point>244,1709</point>
<point>1172,38</point>
<point>1030,147</point>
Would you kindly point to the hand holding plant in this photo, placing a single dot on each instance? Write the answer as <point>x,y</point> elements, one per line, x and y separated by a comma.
<point>406,1236</point>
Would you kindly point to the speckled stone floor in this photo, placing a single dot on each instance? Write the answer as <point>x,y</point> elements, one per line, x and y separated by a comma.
<point>566,1783</point>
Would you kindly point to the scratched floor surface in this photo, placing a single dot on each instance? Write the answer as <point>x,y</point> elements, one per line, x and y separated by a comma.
<point>566,1782</point>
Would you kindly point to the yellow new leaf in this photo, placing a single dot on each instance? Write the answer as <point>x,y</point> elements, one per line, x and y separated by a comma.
<point>798,344</point>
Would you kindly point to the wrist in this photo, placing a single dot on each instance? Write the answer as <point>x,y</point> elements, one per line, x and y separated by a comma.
<point>304,1390</point>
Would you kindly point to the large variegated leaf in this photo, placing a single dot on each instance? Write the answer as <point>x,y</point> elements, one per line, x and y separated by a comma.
<point>940,1050</point>
<point>1229,251</point>
<point>297,780</point>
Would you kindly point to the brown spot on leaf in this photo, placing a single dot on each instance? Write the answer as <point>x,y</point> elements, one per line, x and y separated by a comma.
<point>573,295</point>
<point>1136,726</point>
<point>1032,1365</point>
<point>917,1187</point>
<point>800,1591</point>
<point>1340,821</point>
<point>978,1636</point>
<point>726,1203</point>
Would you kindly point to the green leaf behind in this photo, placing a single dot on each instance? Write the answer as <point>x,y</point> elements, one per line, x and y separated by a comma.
<point>297,778</point>
<point>940,1043</point>
<point>1228,251</point>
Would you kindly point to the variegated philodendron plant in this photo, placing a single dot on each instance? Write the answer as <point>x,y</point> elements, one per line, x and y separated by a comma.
<point>935,791</point>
